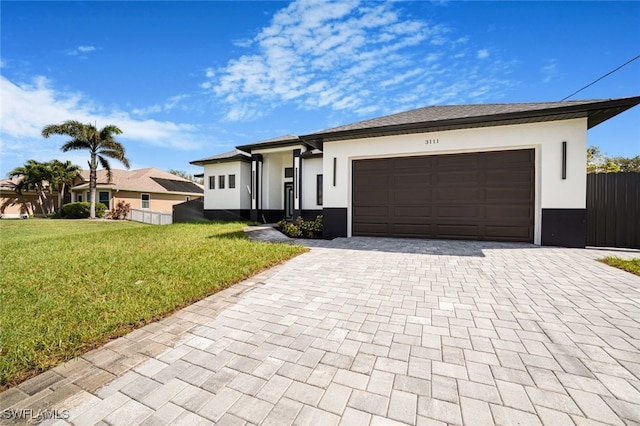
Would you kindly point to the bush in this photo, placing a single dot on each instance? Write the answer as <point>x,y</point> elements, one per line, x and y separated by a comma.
<point>120,211</point>
<point>81,210</point>
<point>302,228</point>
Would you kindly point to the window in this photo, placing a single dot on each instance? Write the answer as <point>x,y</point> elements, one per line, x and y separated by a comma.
<point>288,172</point>
<point>145,201</point>
<point>79,198</point>
<point>319,190</point>
<point>88,197</point>
<point>232,181</point>
<point>212,182</point>
<point>103,197</point>
<point>221,182</point>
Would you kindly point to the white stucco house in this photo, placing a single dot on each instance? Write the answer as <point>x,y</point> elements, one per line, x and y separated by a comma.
<point>496,172</point>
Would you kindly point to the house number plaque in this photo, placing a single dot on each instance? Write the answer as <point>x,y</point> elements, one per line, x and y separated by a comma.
<point>432,141</point>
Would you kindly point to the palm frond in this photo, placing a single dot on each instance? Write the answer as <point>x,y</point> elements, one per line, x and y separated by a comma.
<point>105,165</point>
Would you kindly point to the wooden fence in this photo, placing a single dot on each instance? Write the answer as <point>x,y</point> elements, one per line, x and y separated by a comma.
<point>613,210</point>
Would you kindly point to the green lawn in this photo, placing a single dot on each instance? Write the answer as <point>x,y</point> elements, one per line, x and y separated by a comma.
<point>632,265</point>
<point>68,286</point>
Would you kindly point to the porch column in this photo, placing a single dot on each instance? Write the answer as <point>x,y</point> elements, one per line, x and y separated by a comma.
<point>256,186</point>
<point>297,183</point>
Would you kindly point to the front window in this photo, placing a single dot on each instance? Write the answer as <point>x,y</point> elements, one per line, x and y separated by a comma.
<point>212,182</point>
<point>103,197</point>
<point>232,181</point>
<point>221,182</point>
<point>145,201</point>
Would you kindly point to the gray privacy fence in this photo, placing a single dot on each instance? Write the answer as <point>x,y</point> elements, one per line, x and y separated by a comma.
<point>152,218</point>
<point>613,210</point>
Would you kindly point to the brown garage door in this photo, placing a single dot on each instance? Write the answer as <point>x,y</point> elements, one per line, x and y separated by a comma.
<point>476,196</point>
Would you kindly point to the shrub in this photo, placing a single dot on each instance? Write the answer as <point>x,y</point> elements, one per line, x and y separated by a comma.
<point>120,211</point>
<point>302,228</point>
<point>81,210</point>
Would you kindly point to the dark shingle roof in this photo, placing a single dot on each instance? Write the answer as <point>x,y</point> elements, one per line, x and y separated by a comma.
<point>173,185</point>
<point>436,118</point>
<point>271,143</point>
<point>223,158</point>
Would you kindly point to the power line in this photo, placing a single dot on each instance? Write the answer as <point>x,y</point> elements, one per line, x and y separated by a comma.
<point>595,81</point>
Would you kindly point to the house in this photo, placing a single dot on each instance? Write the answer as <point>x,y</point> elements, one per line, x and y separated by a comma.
<point>14,205</point>
<point>149,188</point>
<point>501,172</point>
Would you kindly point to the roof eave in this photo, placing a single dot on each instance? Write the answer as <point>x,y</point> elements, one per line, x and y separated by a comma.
<point>596,113</point>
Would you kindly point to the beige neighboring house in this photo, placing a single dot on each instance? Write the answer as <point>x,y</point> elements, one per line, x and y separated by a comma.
<point>151,189</point>
<point>14,205</point>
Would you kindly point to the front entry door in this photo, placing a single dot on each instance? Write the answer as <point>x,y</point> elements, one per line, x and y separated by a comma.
<point>288,200</point>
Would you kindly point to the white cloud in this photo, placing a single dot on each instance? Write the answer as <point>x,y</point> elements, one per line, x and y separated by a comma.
<point>347,55</point>
<point>28,107</point>
<point>549,71</point>
<point>81,50</point>
<point>483,54</point>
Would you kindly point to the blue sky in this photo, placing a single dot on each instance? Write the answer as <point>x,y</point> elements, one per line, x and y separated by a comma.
<point>186,80</point>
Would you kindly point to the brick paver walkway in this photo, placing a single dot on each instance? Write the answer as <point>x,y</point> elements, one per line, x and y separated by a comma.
<point>367,331</point>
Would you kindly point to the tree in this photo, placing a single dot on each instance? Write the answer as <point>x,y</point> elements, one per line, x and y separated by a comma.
<point>600,163</point>
<point>186,175</point>
<point>100,143</point>
<point>35,175</point>
<point>62,176</point>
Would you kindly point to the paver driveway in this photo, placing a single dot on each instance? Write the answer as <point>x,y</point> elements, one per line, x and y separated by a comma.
<point>370,331</point>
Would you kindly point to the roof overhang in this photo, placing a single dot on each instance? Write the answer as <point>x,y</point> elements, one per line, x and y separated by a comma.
<point>596,113</point>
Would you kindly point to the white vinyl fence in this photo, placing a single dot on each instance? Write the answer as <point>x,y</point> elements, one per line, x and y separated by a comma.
<point>152,218</point>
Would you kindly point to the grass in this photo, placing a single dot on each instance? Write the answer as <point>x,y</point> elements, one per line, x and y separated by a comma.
<point>632,265</point>
<point>69,286</point>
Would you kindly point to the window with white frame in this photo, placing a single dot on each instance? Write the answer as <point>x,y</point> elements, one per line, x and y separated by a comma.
<point>145,201</point>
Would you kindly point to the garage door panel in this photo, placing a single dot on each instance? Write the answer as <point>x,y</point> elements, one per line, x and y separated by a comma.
<point>485,196</point>
<point>411,179</point>
<point>507,177</point>
<point>410,230</point>
<point>411,211</point>
<point>457,230</point>
<point>457,212</point>
<point>457,178</point>
<point>411,197</point>
<point>512,195</point>
<point>372,211</point>
<point>457,195</point>
<point>507,212</point>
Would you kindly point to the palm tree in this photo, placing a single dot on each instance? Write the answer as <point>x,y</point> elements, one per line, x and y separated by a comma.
<point>34,175</point>
<point>100,144</point>
<point>62,175</point>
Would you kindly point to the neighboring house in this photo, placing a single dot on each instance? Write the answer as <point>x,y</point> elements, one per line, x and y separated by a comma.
<point>502,172</point>
<point>14,205</point>
<point>150,188</point>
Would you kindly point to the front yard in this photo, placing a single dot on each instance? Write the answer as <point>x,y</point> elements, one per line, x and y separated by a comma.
<point>69,286</point>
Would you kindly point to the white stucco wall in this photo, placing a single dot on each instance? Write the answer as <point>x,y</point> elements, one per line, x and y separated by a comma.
<point>546,138</point>
<point>311,168</point>
<point>228,198</point>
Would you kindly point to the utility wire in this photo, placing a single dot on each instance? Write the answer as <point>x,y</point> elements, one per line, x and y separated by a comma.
<point>595,81</point>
